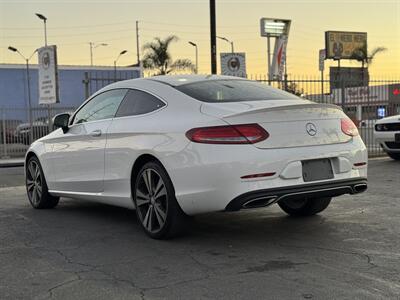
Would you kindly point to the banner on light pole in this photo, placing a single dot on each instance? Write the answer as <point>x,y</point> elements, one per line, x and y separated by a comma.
<point>233,64</point>
<point>48,75</point>
<point>279,58</point>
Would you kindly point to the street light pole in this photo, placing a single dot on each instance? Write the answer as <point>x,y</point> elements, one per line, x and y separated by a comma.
<point>44,19</point>
<point>13,49</point>
<point>197,56</point>
<point>93,46</point>
<point>115,63</point>
<point>226,40</point>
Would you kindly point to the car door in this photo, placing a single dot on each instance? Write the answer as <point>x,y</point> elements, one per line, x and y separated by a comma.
<point>78,155</point>
<point>132,130</point>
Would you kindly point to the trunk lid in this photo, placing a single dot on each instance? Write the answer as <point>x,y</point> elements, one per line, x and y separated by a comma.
<point>290,123</point>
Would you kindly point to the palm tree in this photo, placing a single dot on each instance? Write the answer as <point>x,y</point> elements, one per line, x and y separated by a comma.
<point>366,58</point>
<point>157,57</point>
<point>362,56</point>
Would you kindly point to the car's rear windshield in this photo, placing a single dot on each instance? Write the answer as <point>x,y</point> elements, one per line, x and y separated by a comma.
<point>232,90</point>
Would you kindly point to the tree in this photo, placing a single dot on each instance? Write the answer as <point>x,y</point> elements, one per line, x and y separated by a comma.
<point>365,58</point>
<point>293,88</point>
<point>158,58</point>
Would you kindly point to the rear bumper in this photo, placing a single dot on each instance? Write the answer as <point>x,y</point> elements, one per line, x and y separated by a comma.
<point>262,198</point>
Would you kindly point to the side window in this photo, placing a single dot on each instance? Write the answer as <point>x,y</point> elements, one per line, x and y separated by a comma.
<point>137,103</point>
<point>103,106</point>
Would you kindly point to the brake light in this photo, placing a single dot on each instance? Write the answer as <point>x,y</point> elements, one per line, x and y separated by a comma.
<point>348,127</point>
<point>231,134</point>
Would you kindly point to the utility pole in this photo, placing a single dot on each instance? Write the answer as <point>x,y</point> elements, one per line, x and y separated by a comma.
<point>137,43</point>
<point>213,38</point>
<point>91,53</point>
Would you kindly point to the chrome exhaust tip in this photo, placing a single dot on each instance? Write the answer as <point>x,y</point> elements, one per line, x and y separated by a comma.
<point>260,202</point>
<point>359,188</point>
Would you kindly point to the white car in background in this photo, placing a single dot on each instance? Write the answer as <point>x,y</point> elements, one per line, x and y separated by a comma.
<point>172,146</point>
<point>387,134</point>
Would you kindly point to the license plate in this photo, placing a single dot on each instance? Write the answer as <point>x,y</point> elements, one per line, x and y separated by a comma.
<point>317,169</point>
<point>397,137</point>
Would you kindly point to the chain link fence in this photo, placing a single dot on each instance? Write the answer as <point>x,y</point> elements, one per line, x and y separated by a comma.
<point>363,104</point>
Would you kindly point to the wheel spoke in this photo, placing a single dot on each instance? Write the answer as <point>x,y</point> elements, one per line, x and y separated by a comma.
<point>29,184</point>
<point>39,190</point>
<point>160,215</point>
<point>31,170</point>
<point>161,193</point>
<point>147,180</point>
<point>160,184</point>
<point>146,218</point>
<point>34,196</point>
<point>141,195</point>
<point>140,202</point>
<point>150,224</point>
<point>37,172</point>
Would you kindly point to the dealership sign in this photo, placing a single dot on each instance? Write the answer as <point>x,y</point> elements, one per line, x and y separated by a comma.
<point>48,77</point>
<point>279,59</point>
<point>343,44</point>
<point>362,95</point>
<point>233,64</point>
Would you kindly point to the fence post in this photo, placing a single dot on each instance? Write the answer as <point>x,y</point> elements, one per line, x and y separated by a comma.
<point>3,116</point>
<point>86,82</point>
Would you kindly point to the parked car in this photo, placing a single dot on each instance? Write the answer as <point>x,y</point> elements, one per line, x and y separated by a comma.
<point>40,128</point>
<point>173,146</point>
<point>387,134</point>
<point>7,129</point>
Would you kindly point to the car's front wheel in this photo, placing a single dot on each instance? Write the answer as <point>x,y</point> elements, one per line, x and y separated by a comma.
<point>395,156</point>
<point>304,207</point>
<point>36,186</point>
<point>156,207</point>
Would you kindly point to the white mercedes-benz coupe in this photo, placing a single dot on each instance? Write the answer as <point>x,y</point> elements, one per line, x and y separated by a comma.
<point>176,146</point>
<point>387,134</point>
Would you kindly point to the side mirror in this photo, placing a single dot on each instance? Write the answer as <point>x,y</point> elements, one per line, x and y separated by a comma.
<point>62,121</point>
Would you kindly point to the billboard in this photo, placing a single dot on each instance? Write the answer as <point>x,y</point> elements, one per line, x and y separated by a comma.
<point>348,77</point>
<point>233,64</point>
<point>342,44</point>
<point>48,75</point>
<point>279,58</point>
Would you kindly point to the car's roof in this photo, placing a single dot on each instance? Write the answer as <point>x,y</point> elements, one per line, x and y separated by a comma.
<point>176,80</point>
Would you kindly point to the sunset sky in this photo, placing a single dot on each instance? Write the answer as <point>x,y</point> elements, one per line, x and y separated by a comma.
<point>72,24</point>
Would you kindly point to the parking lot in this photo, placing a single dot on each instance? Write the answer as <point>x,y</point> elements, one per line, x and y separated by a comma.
<point>83,250</point>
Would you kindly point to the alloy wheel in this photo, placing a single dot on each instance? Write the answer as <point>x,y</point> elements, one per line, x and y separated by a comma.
<point>34,182</point>
<point>151,200</point>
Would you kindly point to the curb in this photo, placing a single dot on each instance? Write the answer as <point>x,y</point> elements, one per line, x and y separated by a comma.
<point>11,164</point>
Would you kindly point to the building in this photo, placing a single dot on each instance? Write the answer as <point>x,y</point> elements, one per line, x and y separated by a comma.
<point>73,84</point>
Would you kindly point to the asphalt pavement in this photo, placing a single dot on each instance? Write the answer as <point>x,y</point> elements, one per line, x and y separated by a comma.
<point>83,250</point>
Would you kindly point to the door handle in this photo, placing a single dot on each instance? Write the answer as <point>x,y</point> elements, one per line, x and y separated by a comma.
<point>96,133</point>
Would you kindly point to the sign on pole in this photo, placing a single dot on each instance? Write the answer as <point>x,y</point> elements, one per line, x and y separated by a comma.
<point>279,59</point>
<point>48,75</point>
<point>233,64</point>
<point>322,60</point>
<point>344,44</point>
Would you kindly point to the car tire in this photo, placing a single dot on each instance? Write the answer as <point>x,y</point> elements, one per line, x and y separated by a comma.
<point>36,186</point>
<point>395,156</point>
<point>304,207</point>
<point>157,209</point>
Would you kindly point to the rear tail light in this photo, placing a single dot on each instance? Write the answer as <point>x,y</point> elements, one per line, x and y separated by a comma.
<point>348,127</point>
<point>231,134</point>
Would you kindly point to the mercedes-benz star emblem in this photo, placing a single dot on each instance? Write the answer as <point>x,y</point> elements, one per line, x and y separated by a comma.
<point>311,129</point>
